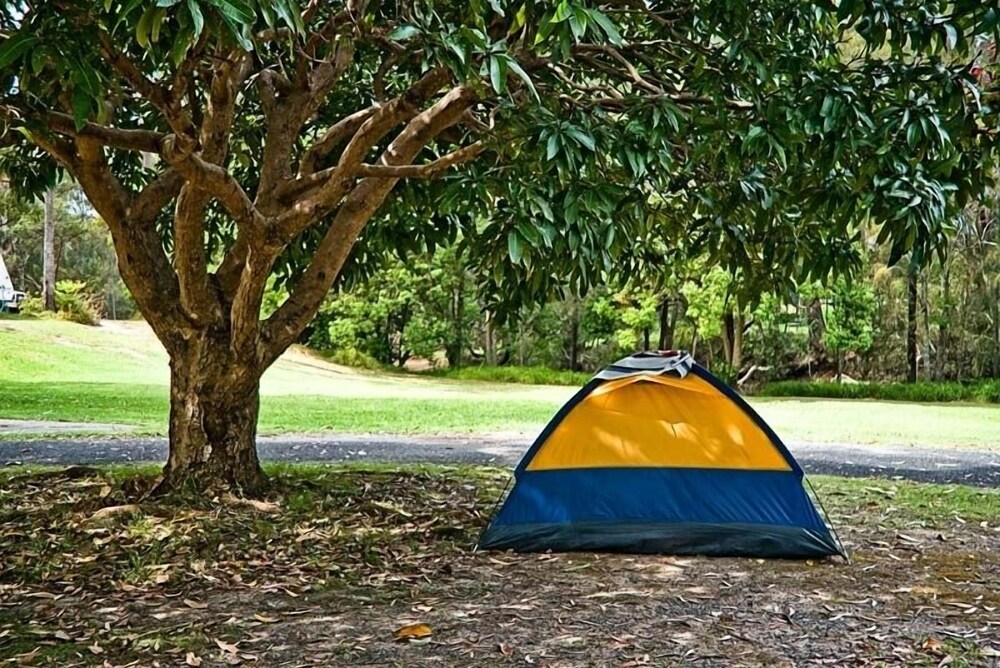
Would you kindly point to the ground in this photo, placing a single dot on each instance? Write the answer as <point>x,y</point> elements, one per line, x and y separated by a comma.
<point>119,376</point>
<point>340,558</point>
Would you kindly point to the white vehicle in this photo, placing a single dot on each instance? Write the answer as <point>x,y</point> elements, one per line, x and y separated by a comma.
<point>10,299</point>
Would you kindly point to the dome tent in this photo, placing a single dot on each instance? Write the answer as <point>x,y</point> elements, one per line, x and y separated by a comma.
<point>657,455</point>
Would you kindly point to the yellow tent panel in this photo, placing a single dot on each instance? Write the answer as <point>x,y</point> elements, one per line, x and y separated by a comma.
<point>658,421</point>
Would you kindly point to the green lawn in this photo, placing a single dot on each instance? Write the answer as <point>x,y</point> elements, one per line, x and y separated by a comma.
<point>52,370</point>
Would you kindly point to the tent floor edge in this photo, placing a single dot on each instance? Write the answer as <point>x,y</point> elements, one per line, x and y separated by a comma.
<point>714,540</point>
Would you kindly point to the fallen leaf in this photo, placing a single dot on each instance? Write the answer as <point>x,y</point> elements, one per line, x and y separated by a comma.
<point>195,605</point>
<point>96,649</point>
<point>111,511</point>
<point>192,659</point>
<point>506,649</point>
<point>227,647</point>
<point>264,618</point>
<point>412,632</point>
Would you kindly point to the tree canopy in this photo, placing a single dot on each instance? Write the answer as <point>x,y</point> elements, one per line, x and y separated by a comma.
<point>226,141</point>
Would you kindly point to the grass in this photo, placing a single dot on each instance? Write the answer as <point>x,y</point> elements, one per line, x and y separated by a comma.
<point>339,557</point>
<point>145,406</point>
<point>882,423</point>
<point>117,373</point>
<point>985,391</point>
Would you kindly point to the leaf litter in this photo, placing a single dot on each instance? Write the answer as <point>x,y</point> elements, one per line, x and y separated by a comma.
<point>351,567</point>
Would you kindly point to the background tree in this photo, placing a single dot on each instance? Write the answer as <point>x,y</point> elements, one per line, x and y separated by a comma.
<point>49,252</point>
<point>286,137</point>
<point>849,320</point>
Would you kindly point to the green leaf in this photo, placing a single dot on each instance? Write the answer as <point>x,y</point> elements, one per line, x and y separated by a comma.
<point>606,25</point>
<point>552,147</point>
<point>237,11</point>
<point>403,33</point>
<point>519,71</point>
<point>156,24</point>
<point>142,28</point>
<point>82,104</point>
<point>563,12</point>
<point>951,35</point>
<point>582,138</point>
<point>498,73</point>
<point>14,47</point>
<point>514,246</point>
<point>196,17</point>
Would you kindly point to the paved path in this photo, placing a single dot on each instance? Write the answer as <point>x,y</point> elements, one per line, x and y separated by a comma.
<point>945,466</point>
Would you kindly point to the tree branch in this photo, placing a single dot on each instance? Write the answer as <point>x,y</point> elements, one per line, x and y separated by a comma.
<point>212,179</point>
<point>159,96</point>
<point>285,325</point>
<point>428,171</point>
<point>331,139</point>
<point>145,141</point>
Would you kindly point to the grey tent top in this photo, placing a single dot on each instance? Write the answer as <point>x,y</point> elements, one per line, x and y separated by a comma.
<point>671,362</point>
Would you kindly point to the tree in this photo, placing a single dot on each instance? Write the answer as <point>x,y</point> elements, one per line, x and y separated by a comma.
<point>49,253</point>
<point>849,321</point>
<point>286,140</point>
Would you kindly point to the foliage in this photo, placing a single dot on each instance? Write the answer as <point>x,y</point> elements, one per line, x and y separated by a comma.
<point>849,318</point>
<point>524,375</point>
<point>73,303</point>
<point>229,144</point>
<point>83,247</point>
<point>984,391</point>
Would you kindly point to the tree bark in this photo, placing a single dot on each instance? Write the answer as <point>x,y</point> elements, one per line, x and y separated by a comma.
<point>49,253</point>
<point>911,325</point>
<point>732,339</point>
<point>214,405</point>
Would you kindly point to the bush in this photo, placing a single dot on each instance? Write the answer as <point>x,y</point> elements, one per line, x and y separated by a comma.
<point>981,391</point>
<point>73,303</point>
<point>524,375</point>
<point>354,358</point>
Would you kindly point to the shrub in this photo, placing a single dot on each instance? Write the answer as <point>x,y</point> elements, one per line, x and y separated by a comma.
<point>524,375</point>
<point>355,358</point>
<point>987,391</point>
<point>73,303</point>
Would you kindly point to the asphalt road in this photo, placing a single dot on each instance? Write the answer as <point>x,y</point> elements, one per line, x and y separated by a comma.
<point>968,467</point>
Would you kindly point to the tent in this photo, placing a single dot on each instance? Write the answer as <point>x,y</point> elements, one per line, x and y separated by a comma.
<point>657,455</point>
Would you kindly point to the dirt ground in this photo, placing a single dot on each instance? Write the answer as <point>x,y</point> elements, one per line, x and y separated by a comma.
<point>341,560</point>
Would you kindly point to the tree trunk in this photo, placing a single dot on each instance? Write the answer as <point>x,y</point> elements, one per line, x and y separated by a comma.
<point>574,340</point>
<point>911,325</point>
<point>666,341</point>
<point>214,404</point>
<point>490,344</point>
<point>944,344</point>
<point>732,339</point>
<point>928,343</point>
<point>817,326</point>
<point>49,254</point>
<point>645,338</point>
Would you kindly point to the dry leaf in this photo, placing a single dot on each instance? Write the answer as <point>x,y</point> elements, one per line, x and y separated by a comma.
<point>264,618</point>
<point>506,649</point>
<point>261,506</point>
<point>412,632</point>
<point>96,649</point>
<point>192,659</point>
<point>111,511</point>
<point>196,605</point>
<point>227,647</point>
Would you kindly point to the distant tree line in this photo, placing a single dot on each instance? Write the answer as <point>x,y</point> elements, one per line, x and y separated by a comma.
<point>937,320</point>
<point>84,259</point>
